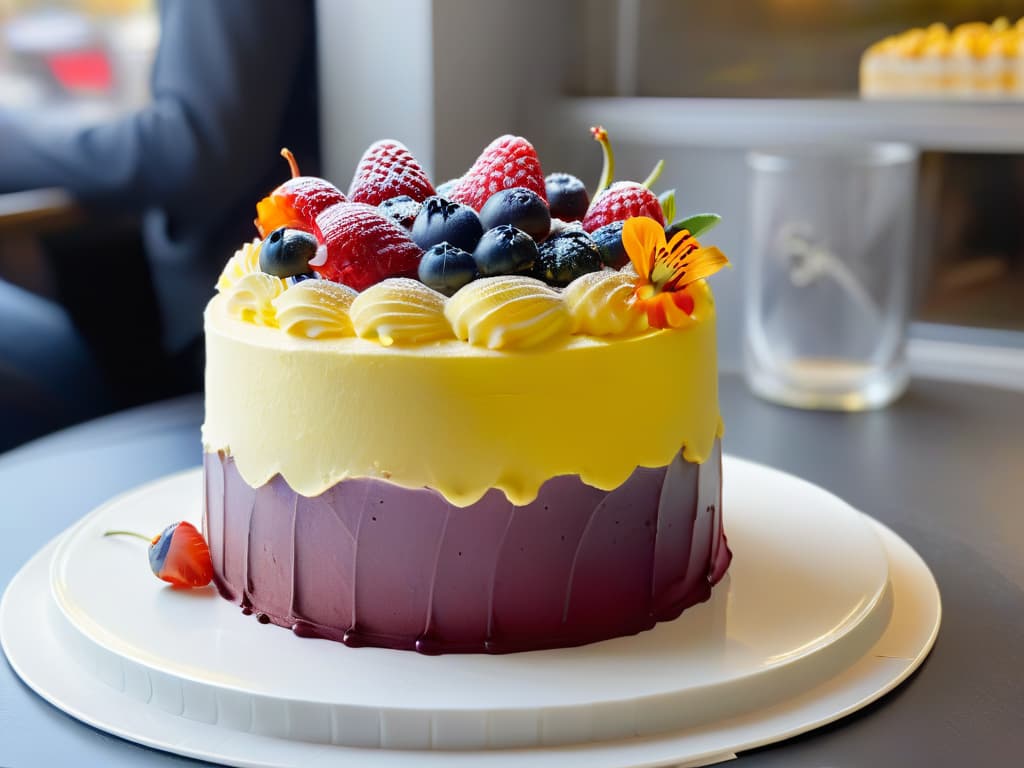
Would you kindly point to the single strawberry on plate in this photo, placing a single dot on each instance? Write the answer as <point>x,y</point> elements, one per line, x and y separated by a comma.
<point>388,169</point>
<point>178,555</point>
<point>508,161</point>
<point>295,203</point>
<point>359,246</point>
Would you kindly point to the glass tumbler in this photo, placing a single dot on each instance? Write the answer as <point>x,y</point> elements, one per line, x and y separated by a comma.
<point>828,274</point>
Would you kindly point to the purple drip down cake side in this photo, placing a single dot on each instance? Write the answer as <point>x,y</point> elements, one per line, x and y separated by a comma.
<point>370,563</point>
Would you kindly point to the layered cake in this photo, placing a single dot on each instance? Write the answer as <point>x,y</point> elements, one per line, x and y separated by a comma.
<point>976,60</point>
<point>478,418</point>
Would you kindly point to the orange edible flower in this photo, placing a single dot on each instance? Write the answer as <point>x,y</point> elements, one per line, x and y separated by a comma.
<point>664,270</point>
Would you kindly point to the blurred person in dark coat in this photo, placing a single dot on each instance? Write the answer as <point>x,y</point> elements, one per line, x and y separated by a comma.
<point>233,81</point>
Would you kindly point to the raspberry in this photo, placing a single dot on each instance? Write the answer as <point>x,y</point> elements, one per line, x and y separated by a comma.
<point>360,246</point>
<point>388,169</point>
<point>508,161</point>
<point>296,202</point>
<point>623,200</point>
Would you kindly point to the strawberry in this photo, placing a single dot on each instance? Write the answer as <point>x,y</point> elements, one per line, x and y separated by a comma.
<point>508,161</point>
<point>360,246</point>
<point>623,200</point>
<point>185,560</point>
<point>388,169</point>
<point>296,202</point>
<point>178,555</point>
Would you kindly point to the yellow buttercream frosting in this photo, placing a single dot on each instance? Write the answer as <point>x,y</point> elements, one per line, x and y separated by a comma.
<point>245,261</point>
<point>509,312</point>
<point>400,311</point>
<point>457,417</point>
<point>250,299</point>
<point>316,309</point>
<point>600,304</point>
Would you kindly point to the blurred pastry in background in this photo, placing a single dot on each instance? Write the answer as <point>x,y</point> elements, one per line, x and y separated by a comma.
<point>975,60</point>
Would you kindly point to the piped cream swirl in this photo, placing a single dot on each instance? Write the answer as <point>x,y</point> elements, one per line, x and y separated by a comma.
<point>400,311</point>
<point>316,309</point>
<point>251,298</point>
<point>246,261</point>
<point>511,312</point>
<point>599,303</point>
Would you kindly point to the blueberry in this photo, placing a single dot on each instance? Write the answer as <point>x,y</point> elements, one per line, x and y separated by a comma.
<point>441,220</point>
<point>505,250</point>
<point>565,257</point>
<point>446,268</point>
<point>558,227</point>
<point>609,243</point>
<point>402,210</point>
<point>522,208</point>
<point>567,197</point>
<point>296,279</point>
<point>286,252</point>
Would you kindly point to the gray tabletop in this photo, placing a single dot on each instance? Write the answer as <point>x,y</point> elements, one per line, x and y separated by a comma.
<point>944,468</point>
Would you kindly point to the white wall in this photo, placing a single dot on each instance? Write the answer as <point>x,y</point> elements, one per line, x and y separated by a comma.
<point>442,76</point>
<point>376,79</point>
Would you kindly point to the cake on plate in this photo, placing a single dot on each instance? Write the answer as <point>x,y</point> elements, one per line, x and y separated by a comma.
<point>477,418</point>
<point>975,60</point>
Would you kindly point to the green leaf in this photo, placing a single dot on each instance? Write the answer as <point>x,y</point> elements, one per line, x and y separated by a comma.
<point>698,224</point>
<point>668,204</point>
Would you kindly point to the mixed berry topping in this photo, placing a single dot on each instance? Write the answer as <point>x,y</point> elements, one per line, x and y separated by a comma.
<point>287,252</point>
<point>360,246</point>
<point>522,208</point>
<point>563,258</point>
<point>501,217</point>
<point>387,169</point>
<point>505,250</point>
<point>402,210</point>
<point>446,268</point>
<point>623,200</point>
<point>609,242</point>
<point>508,161</point>
<point>297,202</point>
<point>442,220</point>
<point>567,196</point>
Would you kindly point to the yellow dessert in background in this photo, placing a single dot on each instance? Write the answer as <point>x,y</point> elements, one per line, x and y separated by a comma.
<point>975,60</point>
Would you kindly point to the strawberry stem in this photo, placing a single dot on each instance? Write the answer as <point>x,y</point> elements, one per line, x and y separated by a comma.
<point>608,170</point>
<point>147,539</point>
<point>654,174</point>
<point>287,155</point>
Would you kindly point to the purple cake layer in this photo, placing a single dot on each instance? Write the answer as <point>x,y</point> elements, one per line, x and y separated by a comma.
<point>371,563</point>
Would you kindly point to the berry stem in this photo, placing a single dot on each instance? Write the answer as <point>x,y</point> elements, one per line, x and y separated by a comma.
<point>147,539</point>
<point>654,174</point>
<point>608,170</point>
<point>287,155</point>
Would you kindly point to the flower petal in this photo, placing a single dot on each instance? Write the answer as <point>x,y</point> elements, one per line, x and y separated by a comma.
<point>681,239</point>
<point>682,269</point>
<point>668,310</point>
<point>703,263</point>
<point>643,238</point>
<point>683,301</point>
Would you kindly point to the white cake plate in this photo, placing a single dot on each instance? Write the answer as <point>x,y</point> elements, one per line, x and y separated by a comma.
<point>823,611</point>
